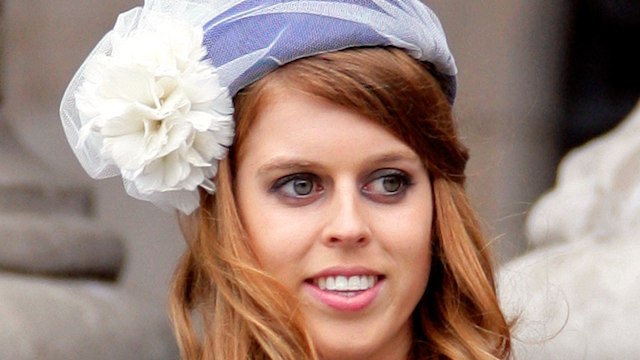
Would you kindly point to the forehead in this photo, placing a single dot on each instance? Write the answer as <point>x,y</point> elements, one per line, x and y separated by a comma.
<point>294,123</point>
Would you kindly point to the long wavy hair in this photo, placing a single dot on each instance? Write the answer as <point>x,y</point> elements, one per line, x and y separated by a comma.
<point>224,306</point>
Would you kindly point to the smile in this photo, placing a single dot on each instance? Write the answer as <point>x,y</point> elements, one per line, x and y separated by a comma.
<point>352,291</point>
<point>346,283</point>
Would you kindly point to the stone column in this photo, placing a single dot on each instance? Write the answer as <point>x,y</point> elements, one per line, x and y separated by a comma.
<point>42,214</point>
<point>59,293</point>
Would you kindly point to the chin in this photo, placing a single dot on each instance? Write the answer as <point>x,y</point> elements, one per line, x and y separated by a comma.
<point>360,344</point>
<point>347,351</point>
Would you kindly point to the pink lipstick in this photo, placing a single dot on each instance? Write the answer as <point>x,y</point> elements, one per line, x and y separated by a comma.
<point>346,289</point>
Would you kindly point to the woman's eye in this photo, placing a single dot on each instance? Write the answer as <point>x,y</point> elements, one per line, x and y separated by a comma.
<point>392,184</point>
<point>387,183</point>
<point>302,187</point>
<point>297,185</point>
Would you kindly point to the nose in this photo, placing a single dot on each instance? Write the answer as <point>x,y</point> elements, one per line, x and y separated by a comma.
<point>347,223</point>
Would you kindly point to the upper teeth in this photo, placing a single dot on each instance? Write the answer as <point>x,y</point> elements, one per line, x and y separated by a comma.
<point>344,283</point>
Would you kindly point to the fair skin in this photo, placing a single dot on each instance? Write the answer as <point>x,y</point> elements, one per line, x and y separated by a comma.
<point>340,212</point>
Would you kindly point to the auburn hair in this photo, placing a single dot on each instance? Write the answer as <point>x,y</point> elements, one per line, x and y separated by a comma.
<point>224,306</point>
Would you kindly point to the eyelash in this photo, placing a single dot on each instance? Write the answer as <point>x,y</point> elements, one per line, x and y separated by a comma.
<point>281,183</point>
<point>404,182</point>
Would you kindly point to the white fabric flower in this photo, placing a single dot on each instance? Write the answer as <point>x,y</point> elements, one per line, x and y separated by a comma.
<point>157,110</point>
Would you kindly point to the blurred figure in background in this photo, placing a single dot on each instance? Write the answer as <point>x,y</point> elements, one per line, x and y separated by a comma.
<point>602,76</point>
<point>576,293</point>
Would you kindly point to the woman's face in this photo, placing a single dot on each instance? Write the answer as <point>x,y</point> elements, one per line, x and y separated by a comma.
<point>339,211</point>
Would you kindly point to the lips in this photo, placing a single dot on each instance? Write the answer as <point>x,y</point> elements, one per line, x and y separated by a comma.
<point>346,283</point>
<point>345,289</point>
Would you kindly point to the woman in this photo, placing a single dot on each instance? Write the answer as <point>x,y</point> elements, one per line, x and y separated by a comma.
<point>337,226</point>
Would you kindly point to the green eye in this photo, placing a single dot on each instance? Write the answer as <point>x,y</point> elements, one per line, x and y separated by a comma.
<point>387,185</point>
<point>302,187</point>
<point>297,186</point>
<point>392,184</point>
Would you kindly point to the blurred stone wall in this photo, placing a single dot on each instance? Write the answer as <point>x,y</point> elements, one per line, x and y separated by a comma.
<point>45,42</point>
<point>61,293</point>
<point>509,54</point>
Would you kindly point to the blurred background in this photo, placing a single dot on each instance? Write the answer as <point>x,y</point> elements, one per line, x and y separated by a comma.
<point>537,78</point>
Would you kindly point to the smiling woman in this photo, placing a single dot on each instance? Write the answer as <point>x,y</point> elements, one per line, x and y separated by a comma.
<point>324,221</point>
<point>337,226</point>
<point>323,190</point>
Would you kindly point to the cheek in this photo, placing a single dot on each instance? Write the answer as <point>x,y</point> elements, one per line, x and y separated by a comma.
<point>414,252</point>
<point>407,228</point>
<point>407,238</point>
<point>280,237</point>
<point>413,261</point>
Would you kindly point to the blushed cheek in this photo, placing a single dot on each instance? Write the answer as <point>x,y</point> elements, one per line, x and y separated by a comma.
<point>417,248</point>
<point>418,266</point>
<point>419,252</point>
<point>279,245</point>
<point>421,248</point>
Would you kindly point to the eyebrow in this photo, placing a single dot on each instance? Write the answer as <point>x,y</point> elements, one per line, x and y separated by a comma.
<point>290,163</point>
<point>285,163</point>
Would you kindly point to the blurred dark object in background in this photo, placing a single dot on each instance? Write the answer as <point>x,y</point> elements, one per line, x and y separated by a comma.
<point>602,81</point>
